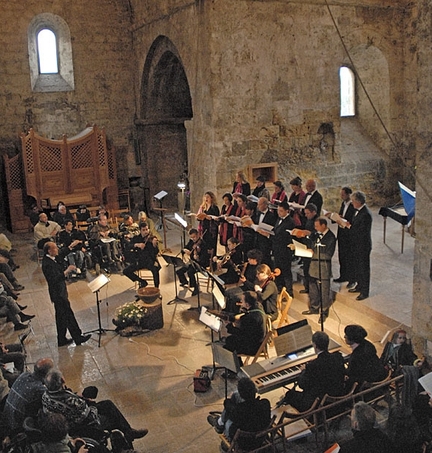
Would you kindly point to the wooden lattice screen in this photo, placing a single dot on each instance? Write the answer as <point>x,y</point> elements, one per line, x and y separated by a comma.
<point>76,170</point>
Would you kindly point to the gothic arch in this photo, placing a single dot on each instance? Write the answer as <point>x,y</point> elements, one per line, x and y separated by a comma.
<point>164,107</point>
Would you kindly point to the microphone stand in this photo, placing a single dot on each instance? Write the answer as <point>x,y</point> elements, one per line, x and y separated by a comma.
<point>319,245</point>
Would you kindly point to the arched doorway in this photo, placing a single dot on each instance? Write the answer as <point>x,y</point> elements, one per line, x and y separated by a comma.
<point>165,105</point>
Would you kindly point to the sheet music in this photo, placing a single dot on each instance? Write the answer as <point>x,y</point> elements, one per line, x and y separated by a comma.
<point>220,298</point>
<point>225,358</point>
<point>210,320</point>
<point>293,341</point>
<point>107,240</point>
<point>263,226</point>
<point>426,382</point>
<point>302,250</point>
<point>99,282</point>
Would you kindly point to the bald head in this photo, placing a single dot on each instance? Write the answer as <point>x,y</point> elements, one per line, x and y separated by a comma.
<point>310,185</point>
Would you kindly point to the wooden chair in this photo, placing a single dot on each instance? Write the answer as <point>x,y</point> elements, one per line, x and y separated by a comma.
<point>298,422</point>
<point>282,318</point>
<point>244,436</point>
<point>382,393</point>
<point>263,349</point>
<point>337,408</point>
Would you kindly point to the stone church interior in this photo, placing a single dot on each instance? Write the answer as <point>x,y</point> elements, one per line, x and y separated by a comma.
<point>144,105</point>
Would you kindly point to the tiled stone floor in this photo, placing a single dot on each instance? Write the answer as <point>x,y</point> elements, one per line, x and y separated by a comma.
<point>150,376</point>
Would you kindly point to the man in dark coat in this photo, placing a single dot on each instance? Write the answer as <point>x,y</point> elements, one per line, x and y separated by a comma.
<point>143,252</point>
<point>56,279</point>
<point>362,245</point>
<point>282,254</point>
<point>345,249</point>
<point>264,215</point>
<point>367,439</point>
<point>324,375</point>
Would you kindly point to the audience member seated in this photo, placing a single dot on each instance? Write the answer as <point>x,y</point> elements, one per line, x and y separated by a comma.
<point>85,419</point>
<point>398,352</point>
<point>247,329</point>
<point>364,364</point>
<point>54,436</point>
<point>12,353</point>
<point>62,215</point>
<point>75,241</point>
<point>243,411</point>
<point>45,231</point>
<point>324,375</point>
<point>10,310</point>
<point>82,213</point>
<point>6,251</point>
<point>25,396</point>
<point>34,214</point>
<point>367,438</point>
<point>103,235</point>
<point>403,430</point>
<point>267,290</point>
<point>7,272</point>
<point>143,250</point>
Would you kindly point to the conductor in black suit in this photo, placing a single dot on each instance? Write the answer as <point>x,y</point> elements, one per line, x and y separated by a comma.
<point>324,375</point>
<point>55,276</point>
<point>282,254</point>
<point>345,251</point>
<point>362,245</point>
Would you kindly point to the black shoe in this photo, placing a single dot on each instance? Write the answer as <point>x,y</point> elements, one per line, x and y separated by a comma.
<point>25,317</point>
<point>213,420</point>
<point>65,342</point>
<point>339,280</point>
<point>82,339</point>
<point>183,283</point>
<point>304,291</point>
<point>137,433</point>
<point>323,317</point>
<point>195,292</point>
<point>22,307</point>
<point>354,290</point>
<point>351,285</point>
<point>362,297</point>
<point>18,287</point>
<point>20,326</point>
<point>118,441</point>
<point>143,284</point>
<point>310,312</point>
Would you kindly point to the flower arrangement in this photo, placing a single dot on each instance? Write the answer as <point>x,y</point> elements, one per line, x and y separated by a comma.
<point>129,314</point>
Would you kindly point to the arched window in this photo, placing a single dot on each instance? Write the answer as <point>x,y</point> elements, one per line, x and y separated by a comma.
<point>47,52</point>
<point>347,92</point>
<point>50,54</point>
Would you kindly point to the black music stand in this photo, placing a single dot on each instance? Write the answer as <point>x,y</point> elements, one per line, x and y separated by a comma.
<point>227,359</point>
<point>176,263</point>
<point>95,286</point>
<point>198,269</point>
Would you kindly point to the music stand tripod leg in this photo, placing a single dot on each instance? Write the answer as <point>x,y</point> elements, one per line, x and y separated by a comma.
<point>176,298</point>
<point>100,330</point>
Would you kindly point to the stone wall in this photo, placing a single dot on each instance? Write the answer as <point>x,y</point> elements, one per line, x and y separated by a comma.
<point>104,90</point>
<point>422,297</point>
<point>265,87</point>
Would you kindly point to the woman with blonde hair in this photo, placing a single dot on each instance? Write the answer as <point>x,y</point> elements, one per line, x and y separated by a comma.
<point>208,224</point>
<point>241,184</point>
